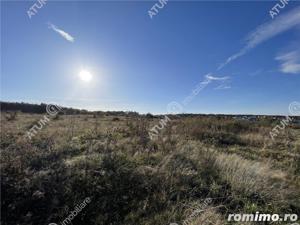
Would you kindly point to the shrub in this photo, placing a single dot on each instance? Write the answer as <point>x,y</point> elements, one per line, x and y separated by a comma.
<point>10,116</point>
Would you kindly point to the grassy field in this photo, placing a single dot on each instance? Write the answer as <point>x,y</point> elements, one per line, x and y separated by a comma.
<point>217,166</point>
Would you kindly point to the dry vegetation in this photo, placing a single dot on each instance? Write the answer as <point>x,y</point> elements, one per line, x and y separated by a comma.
<point>134,180</point>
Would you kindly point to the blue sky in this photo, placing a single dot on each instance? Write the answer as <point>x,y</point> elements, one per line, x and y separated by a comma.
<point>142,64</point>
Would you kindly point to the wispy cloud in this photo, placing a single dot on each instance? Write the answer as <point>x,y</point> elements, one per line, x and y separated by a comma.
<point>266,31</point>
<point>64,34</point>
<point>223,86</point>
<point>211,77</point>
<point>255,73</point>
<point>290,62</point>
<point>224,82</point>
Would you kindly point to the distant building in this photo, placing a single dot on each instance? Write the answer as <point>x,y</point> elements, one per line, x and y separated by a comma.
<point>296,121</point>
<point>246,117</point>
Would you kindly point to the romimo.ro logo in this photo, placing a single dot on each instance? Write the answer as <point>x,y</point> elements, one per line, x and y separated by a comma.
<point>263,217</point>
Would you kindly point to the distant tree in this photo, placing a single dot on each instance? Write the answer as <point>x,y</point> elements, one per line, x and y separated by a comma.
<point>149,116</point>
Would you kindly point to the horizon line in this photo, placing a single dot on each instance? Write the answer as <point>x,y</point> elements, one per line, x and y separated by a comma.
<point>154,114</point>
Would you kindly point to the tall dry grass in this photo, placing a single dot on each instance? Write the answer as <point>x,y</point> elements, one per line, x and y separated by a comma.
<point>252,177</point>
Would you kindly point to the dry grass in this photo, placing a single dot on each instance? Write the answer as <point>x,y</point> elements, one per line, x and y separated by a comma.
<point>209,217</point>
<point>132,179</point>
<point>251,177</point>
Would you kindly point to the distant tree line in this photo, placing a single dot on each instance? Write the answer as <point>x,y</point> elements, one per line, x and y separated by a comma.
<point>41,108</point>
<point>34,108</point>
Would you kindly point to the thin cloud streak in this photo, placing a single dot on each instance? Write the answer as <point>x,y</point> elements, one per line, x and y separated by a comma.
<point>223,87</point>
<point>64,34</point>
<point>210,76</point>
<point>290,62</point>
<point>225,81</point>
<point>266,31</point>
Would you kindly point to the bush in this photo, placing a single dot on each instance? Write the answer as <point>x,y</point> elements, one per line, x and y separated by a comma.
<point>10,116</point>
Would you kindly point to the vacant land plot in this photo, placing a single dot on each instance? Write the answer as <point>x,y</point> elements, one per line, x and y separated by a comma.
<point>197,171</point>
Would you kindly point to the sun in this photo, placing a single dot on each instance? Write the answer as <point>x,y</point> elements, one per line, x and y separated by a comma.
<point>85,76</point>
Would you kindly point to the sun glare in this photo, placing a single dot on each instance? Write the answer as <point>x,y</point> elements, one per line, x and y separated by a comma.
<point>85,76</point>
